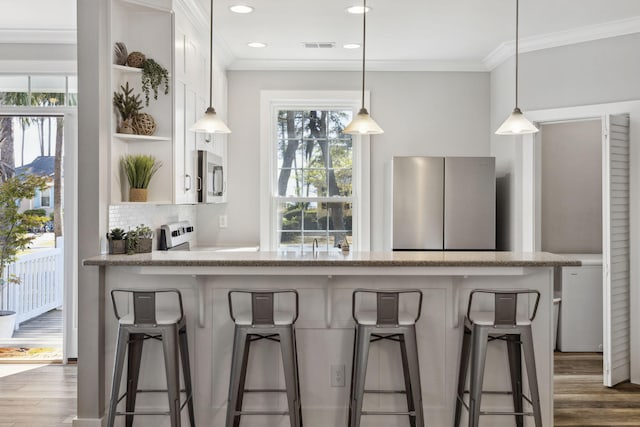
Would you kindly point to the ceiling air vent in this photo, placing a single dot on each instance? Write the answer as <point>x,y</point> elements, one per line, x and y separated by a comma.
<point>319,45</point>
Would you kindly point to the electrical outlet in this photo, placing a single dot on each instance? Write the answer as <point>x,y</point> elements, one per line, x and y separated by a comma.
<point>337,376</point>
<point>222,221</point>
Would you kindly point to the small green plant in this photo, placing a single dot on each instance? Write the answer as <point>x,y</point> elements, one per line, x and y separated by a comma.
<point>144,232</point>
<point>15,225</point>
<point>139,169</point>
<point>127,104</point>
<point>132,241</point>
<point>153,75</point>
<point>117,234</point>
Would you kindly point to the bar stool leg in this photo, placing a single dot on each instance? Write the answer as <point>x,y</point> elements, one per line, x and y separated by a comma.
<point>290,377</point>
<point>479,337</point>
<point>411,344</point>
<point>172,369</point>
<point>463,369</point>
<point>186,372</point>
<point>515,370</point>
<point>134,357</point>
<point>118,365</point>
<point>297,369</point>
<point>353,376</point>
<point>407,380</point>
<point>532,376</point>
<point>361,357</point>
<point>238,364</point>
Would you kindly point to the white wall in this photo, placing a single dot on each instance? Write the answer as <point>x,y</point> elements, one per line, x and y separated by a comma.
<point>422,113</point>
<point>601,71</point>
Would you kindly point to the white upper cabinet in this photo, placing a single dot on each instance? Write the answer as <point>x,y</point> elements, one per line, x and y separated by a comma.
<point>177,39</point>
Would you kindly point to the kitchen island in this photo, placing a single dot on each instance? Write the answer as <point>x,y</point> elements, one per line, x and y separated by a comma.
<point>325,282</point>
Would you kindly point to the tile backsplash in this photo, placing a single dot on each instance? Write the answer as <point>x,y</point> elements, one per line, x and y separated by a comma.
<point>130,216</point>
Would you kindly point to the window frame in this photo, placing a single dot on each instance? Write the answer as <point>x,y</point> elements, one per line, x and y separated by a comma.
<point>273,101</point>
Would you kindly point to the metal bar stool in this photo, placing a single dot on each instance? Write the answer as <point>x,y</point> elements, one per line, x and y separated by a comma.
<point>143,323</point>
<point>503,323</point>
<point>263,322</point>
<point>386,323</point>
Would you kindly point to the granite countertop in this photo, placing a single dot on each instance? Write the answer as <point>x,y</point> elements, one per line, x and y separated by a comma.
<point>335,259</point>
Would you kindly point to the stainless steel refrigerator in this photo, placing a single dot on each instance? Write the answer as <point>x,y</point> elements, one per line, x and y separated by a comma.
<point>444,203</point>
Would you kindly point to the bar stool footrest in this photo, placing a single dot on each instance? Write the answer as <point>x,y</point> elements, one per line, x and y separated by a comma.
<point>386,391</point>
<point>265,390</point>
<point>261,413</point>
<point>409,413</point>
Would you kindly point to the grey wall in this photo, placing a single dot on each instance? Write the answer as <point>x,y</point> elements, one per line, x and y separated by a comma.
<point>596,72</point>
<point>422,113</point>
<point>571,192</point>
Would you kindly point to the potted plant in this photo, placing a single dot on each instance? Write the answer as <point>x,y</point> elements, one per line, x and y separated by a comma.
<point>139,240</point>
<point>116,241</point>
<point>139,169</point>
<point>153,75</point>
<point>128,106</point>
<point>14,237</point>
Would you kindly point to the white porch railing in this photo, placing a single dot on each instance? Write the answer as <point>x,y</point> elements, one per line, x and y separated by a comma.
<point>40,288</point>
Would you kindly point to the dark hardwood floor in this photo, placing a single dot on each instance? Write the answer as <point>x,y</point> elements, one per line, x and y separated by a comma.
<point>45,396</point>
<point>581,399</point>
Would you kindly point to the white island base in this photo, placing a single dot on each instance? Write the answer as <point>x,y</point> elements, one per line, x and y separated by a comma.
<point>325,341</point>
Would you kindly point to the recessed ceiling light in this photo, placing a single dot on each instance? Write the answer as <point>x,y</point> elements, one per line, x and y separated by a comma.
<point>351,46</point>
<point>256,44</point>
<point>358,10</point>
<point>241,8</point>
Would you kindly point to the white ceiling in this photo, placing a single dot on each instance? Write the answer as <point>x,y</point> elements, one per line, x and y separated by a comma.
<point>410,34</point>
<point>401,34</point>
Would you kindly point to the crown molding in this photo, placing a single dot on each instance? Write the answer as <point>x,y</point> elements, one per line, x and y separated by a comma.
<point>562,38</point>
<point>196,14</point>
<point>352,65</point>
<point>37,36</point>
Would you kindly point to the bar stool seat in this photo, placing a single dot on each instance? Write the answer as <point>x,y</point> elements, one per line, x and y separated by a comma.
<point>370,318</point>
<point>162,318</point>
<point>263,322</point>
<point>386,322</point>
<point>487,318</point>
<point>280,318</point>
<point>145,322</point>
<point>504,323</point>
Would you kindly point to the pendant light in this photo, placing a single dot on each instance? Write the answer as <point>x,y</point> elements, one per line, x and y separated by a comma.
<point>210,122</point>
<point>516,123</point>
<point>363,124</point>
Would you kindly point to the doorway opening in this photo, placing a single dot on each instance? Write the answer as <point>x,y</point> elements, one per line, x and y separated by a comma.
<point>613,126</point>
<point>32,289</point>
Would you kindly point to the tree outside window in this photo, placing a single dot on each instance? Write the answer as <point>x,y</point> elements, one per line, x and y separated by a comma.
<point>314,178</point>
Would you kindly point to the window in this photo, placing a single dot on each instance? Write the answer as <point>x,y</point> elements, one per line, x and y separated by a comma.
<point>315,189</point>
<point>45,198</point>
<point>39,90</point>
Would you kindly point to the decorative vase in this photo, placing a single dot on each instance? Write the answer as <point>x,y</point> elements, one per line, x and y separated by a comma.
<point>137,194</point>
<point>126,127</point>
<point>136,59</point>
<point>7,323</point>
<point>143,246</point>
<point>117,247</point>
<point>143,124</point>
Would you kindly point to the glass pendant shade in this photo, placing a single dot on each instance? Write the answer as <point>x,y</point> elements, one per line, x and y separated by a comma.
<point>516,124</point>
<point>210,123</point>
<point>363,124</point>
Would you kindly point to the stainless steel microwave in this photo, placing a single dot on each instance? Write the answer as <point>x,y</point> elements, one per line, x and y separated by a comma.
<point>210,177</point>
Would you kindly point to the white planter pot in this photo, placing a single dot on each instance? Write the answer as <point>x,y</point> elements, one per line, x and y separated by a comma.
<point>7,323</point>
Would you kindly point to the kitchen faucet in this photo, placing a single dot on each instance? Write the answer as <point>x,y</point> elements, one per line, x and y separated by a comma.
<point>314,246</point>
